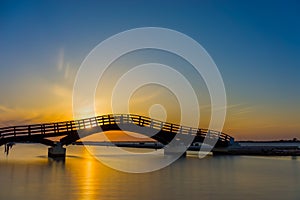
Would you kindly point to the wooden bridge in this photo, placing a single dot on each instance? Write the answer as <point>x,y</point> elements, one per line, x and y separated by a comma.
<point>162,132</point>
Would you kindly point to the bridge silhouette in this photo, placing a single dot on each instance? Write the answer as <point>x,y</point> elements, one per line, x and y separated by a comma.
<point>160,131</point>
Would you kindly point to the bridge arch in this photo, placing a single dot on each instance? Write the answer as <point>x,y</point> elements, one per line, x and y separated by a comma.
<point>162,132</point>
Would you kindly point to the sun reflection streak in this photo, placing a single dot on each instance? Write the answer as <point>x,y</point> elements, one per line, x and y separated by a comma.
<point>91,177</point>
<point>88,186</point>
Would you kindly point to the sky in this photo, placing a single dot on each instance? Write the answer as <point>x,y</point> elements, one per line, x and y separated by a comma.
<point>255,44</point>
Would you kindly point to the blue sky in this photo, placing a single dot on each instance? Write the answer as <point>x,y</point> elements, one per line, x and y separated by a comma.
<point>255,44</point>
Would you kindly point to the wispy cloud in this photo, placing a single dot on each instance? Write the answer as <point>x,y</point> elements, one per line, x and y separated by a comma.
<point>5,109</point>
<point>15,116</point>
<point>61,59</point>
<point>232,107</point>
<point>63,66</point>
<point>242,109</point>
<point>61,91</point>
<point>12,116</point>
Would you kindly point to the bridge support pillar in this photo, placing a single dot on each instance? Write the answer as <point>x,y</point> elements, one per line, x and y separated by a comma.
<point>57,151</point>
<point>175,151</point>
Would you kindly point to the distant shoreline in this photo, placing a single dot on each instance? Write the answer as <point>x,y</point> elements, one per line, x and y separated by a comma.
<point>248,148</point>
<point>254,148</point>
<point>269,141</point>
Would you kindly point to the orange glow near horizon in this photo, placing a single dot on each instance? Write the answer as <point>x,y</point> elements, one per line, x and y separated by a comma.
<point>242,122</point>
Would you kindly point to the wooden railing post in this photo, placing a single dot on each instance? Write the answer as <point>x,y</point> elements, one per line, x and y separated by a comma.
<point>128,119</point>
<point>90,120</point>
<point>84,126</point>
<point>198,132</point>
<point>121,119</point>
<point>208,133</point>
<point>67,124</point>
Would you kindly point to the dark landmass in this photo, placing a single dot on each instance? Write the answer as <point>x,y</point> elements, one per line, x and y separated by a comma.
<point>261,151</point>
<point>264,148</point>
<point>252,148</point>
<point>295,140</point>
<point>256,148</point>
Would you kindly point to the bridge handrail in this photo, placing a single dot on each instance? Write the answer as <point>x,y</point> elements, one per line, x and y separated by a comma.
<point>108,119</point>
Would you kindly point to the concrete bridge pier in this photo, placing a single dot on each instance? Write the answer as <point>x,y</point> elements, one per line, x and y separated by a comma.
<point>57,151</point>
<point>175,150</point>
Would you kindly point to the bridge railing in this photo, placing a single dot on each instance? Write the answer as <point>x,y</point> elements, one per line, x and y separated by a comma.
<point>82,124</point>
<point>168,127</point>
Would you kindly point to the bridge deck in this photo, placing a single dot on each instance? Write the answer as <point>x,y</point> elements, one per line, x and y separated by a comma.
<point>75,129</point>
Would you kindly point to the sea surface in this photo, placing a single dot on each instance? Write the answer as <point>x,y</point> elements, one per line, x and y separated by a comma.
<point>27,173</point>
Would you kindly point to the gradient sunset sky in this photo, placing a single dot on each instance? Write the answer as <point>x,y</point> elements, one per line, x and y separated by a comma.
<point>255,44</point>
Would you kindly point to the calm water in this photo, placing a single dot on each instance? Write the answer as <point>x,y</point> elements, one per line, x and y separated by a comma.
<point>28,174</point>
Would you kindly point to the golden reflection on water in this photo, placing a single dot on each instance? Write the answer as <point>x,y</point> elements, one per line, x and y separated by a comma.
<point>89,176</point>
<point>27,173</point>
<point>88,190</point>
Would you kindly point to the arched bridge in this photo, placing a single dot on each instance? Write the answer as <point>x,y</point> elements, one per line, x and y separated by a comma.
<point>162,132</point>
